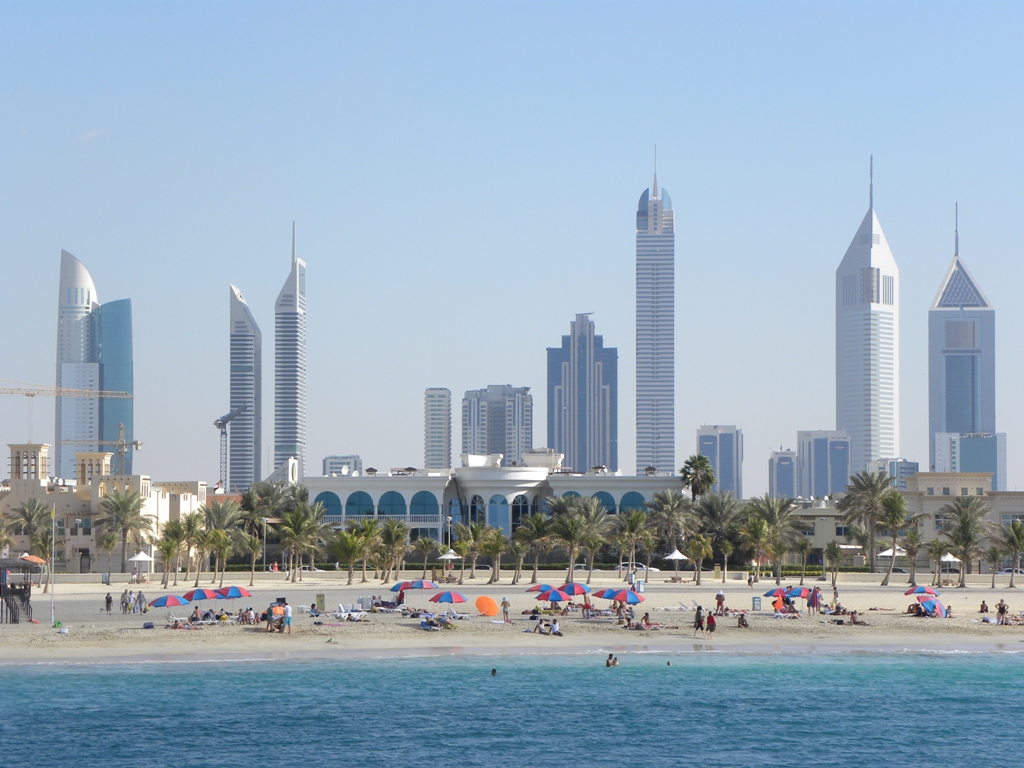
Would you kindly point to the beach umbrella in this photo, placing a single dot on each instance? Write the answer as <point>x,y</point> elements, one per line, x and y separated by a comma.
<point>932,604</point>
<point>900,552</point>
<point>801,592</point>
<point>32,559</point>
<point>922,591</point>
<point>195,595</point>
<point>622,595</point>
<point>420,584</point>
<point>230,593</point>
<point>554,596</point>
<point>165,601</point>
<point>776,592</point>
<point>574,589</point>
<point>486,606</point>
<point>540,588</point>
<point>950,558</point>
<point>448,597</point>
<point>605,593</point>
<point>400,586</point>
<point>675,556</point>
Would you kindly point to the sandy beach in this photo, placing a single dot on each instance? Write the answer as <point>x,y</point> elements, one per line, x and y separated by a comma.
<point>94,636</point>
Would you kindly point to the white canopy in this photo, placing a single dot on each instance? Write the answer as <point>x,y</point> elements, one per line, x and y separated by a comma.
<point>949,558</point>
<point>450,555</point>
<point>900,552</point>
<point>142,557</point>
<point>676,555</point>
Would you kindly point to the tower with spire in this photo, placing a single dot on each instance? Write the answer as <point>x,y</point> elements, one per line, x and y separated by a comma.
<point>290,366</point>
<point>655,330</point>
<point>961,367</point>
<point>868,343</point>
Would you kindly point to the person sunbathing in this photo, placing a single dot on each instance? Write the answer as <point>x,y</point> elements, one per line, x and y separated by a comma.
<point>855,620</point>
<point>542,628</point>
<point>314,612</point>
<point>648,624</point>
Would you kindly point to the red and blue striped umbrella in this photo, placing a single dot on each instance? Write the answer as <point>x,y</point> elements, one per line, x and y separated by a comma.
<point>448,597</point>
<point>554,596</point>
<point>930,604</point>
<point>604,592</point>
<point>622,595</point>
<point>230,593</point>
<point>776,592</point>
<point>540,588</point>
<point>165,601</point>
<point>922,591</point>
<point>400,586</point>
<point>421,584</point>
<point>574,589</point>
<point>801,592</point>
<point>201,594</point>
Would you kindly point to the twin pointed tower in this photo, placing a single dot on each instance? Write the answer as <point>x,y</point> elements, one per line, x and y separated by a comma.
<point>868,344</point>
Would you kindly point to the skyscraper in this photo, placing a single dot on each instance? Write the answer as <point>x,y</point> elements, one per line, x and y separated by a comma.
<point>961,357</point>
<point>978,452</point>
<point>723,445</point>
<point>498,419</point>
<point>583,396</point>
<point>290,366</point>
<point>783,474</point>
<point>94,352</point>
<point>868,344</point>
<point>245,430</point>
<point>437,428</point>
<point>655,331</point>
<point>824,458</point>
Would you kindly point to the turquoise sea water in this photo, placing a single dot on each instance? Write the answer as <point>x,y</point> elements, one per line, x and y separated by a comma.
<point>705,709</point>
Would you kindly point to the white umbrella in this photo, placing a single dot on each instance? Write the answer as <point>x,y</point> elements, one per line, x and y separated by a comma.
<point>900,552</point>
<point>949,558</point>
<point>676,556</point>
<point>142,557</point>
<point>450,555</point>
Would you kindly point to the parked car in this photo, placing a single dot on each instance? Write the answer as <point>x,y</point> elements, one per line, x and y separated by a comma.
<point>639,567</point>
<point>899,570</point>
<point>951,569</point>
<point>483,567</point>
<point>1018,571</point>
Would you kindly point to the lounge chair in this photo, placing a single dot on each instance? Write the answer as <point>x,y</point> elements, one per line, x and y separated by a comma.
<point>428,627</point>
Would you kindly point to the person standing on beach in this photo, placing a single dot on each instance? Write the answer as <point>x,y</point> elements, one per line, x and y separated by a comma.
<point>505,605</point>
<point>287,617</point>
<point>719,604</point>
<point>711,625</point>
<point>108,602</point>
<point>698,622</point>
<point>124,601</point>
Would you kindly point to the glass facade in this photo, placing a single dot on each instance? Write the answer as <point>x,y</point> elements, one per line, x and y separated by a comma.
<point>391,503</point>
<point>607,500</point>
<point>497,514</point>
<point>520,510</point>
<point>962,393</point>
<point>632,500</point>
<point>821,485</point>
<point>839,466</point>
<point>113,340</point>
<point>359,503</point>
<point>331,503</point>
<point>423,503</point>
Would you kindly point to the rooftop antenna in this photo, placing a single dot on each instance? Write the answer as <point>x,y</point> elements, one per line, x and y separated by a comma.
<point>956,230</point>
<point>654,189</point>
<point>293,242</point>
<point>871,183</point>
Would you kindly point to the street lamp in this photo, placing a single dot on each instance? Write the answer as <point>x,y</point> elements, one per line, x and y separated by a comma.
<point>265,520</point>
<point>449,519</point>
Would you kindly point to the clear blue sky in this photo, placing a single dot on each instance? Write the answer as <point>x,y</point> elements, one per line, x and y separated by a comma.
<point>465,176</point>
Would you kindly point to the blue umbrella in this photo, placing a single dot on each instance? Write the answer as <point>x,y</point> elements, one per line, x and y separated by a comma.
<point>623,596</point>
<point>932,605</point>
<point>400,586</point>
<point>167,600</point>
<point>230,593</point>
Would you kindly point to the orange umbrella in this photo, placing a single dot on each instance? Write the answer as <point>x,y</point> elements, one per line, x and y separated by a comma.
<point>32,559</point>
<point>486,606</point>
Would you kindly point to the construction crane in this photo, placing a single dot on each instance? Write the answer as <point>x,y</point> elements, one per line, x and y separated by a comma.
<point>222,425</point>
<point>121,444</point>
<point>34,390</point>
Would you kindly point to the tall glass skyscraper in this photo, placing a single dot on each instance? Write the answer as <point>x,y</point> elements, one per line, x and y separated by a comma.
<point>583,399</point>
<point>961,358</point>
<point>94,352</point>
<point>245,430</point>
<point>655,331</point>
<point>290,366</point>
<point>437,428</point>
<point>868,345</point>
<point>498,419</point>
<point>723,445</point>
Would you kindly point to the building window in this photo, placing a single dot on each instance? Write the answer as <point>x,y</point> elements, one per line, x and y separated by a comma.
<point>841,530</point>
<point>981,491</point>
<point>931,491</point>
<point>963,491</point>
<point>945,491</point>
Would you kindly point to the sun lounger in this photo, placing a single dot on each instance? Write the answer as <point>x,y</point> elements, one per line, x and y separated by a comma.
<point>451,612</point>
<point>428,627</point>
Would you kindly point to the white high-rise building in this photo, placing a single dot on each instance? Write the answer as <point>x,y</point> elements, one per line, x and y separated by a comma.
<point>245,430</point>
<point>290,366</point>
<point>437,428</point>
<point>77,418</point>
<point>655,331</point>
<point>868,345</point>
<point>498,419</point>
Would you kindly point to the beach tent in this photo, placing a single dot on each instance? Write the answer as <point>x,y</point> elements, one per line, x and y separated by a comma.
<point>142,557</point>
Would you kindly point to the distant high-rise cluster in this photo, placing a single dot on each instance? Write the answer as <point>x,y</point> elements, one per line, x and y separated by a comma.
<point>655,332</point>
<point>246,390</point>
<point>437,428</point>
<point>94,352</point>
<point>583,410</point>
<point>498,419</point>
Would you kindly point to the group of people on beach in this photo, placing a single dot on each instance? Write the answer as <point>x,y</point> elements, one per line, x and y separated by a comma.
<point>130,602</point>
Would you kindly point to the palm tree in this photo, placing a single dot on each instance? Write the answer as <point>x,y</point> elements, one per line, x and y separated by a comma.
<point>367,532</point>
<point>1013,541</point>
<point>5,537</point>
<point>672,517</point>
<point>803,547</point>
<point>394,543</point>
<point>912,545</point>
<point>936,548</point>
<point>727,548</point>
<point>45,545</point>
<point>833,553</point>
<point>518,550</point>
<point>534,533</point>
<point>30,517</point>
<point>967,529</point>
<point>494,546</point>
<point>757,535</point>
<point>107,542</point>
<point>893,518</point>
<point>633,526</point>
<point>698,475</point>
<point>778,548</point>
<point>123,513</point>
<point>596,522</point>
<point>718,514</point>
<point>221,514</point>
<point>168,549</point>
<point>205,542</point>
<point>863,503</point>
<point>569,530</point>
<point>779,514</point>
<point>425,546</point>
<point>220,546</point>
<point>252,546</point>
<point>346,548</point>
<point>994,555</point>
<point>474,535</point>
<point>192,530</point>
<point>462,547</point>
<point>698,547</point>
<point>174,531</point>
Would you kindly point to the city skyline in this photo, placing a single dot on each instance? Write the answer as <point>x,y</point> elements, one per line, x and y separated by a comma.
<point>419,199</point>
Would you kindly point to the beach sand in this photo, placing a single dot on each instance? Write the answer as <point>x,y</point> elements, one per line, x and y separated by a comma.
<point>94,636</point>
